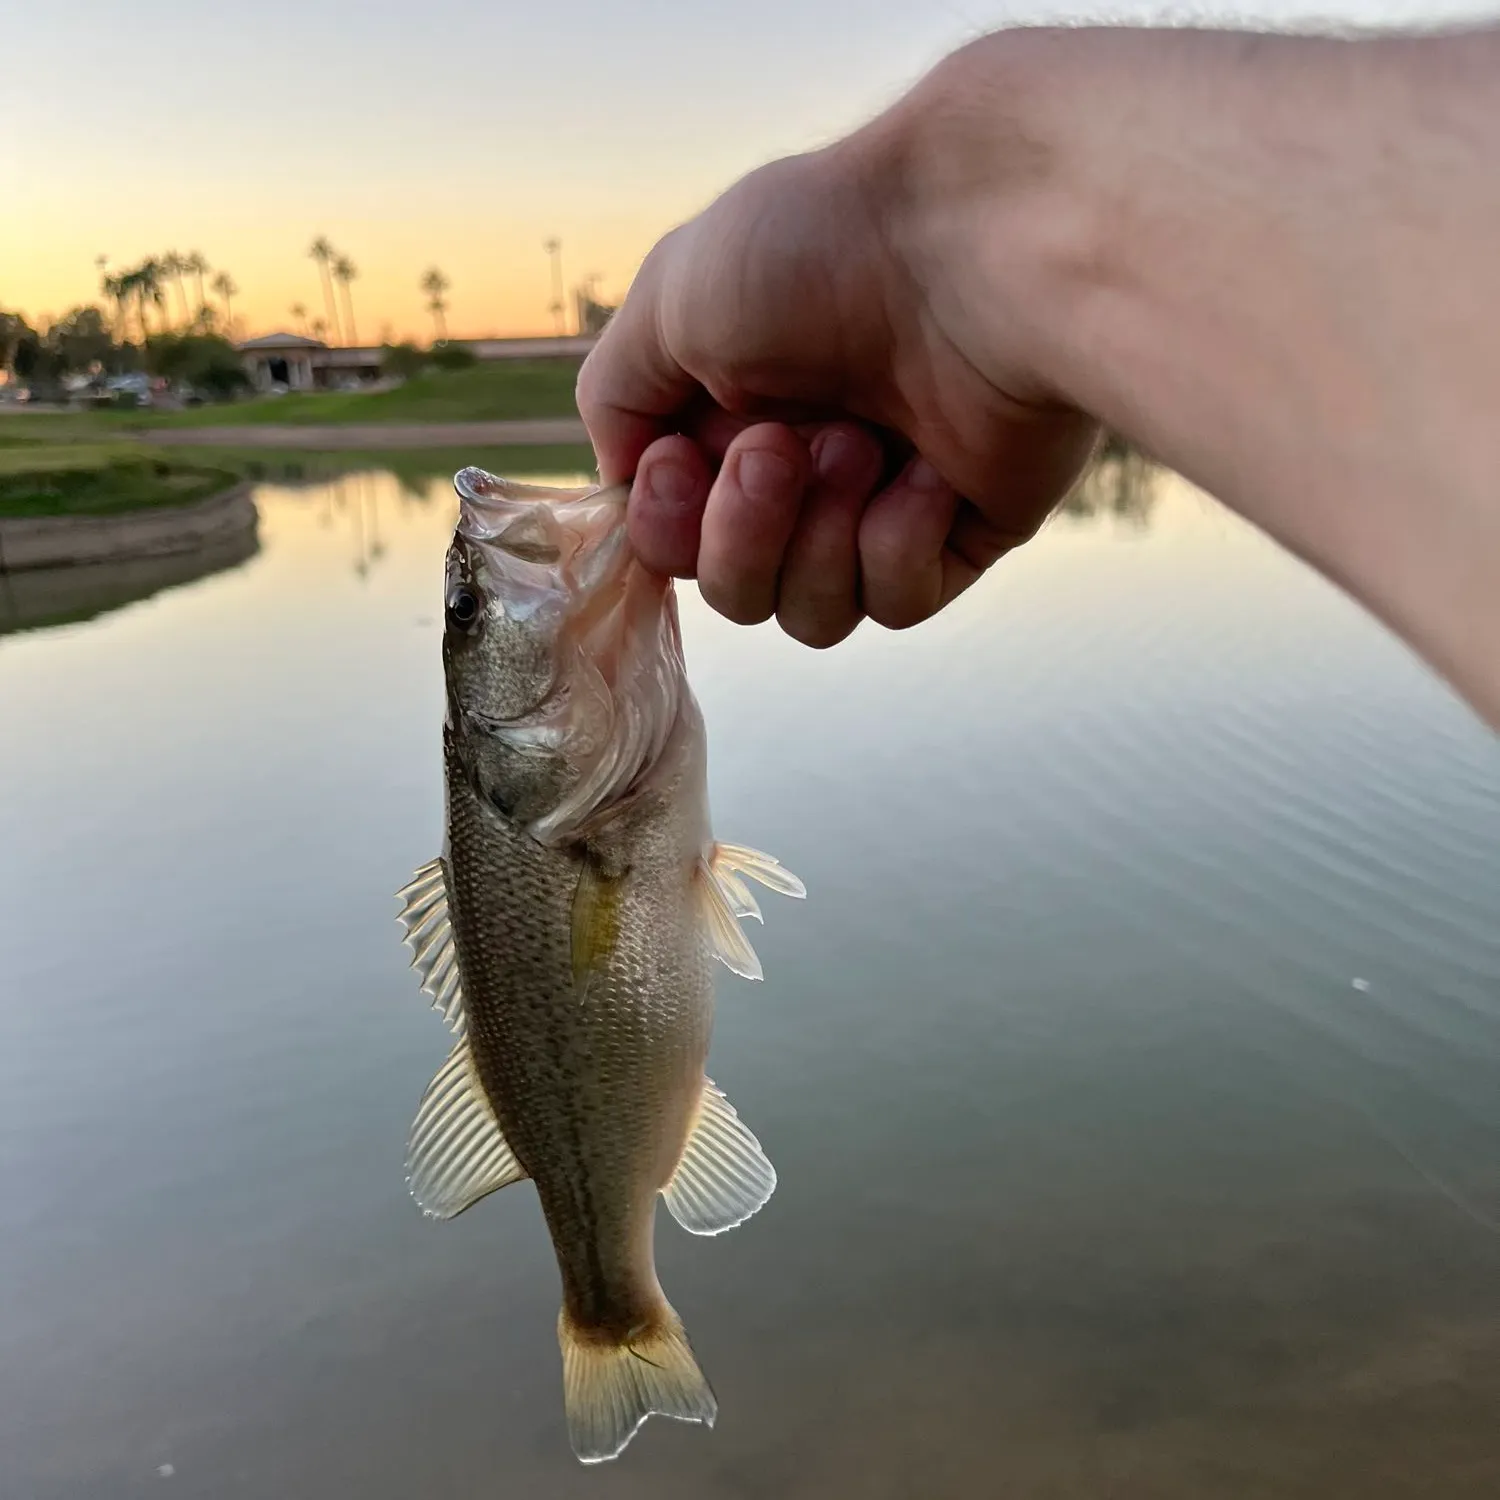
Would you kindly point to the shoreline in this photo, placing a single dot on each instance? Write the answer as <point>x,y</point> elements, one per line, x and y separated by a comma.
<point>30,542</point>
<point>331,437</point>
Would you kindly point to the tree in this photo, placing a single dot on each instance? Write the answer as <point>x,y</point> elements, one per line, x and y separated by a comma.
<point>402,360</point>
<point>344,271</point>
<point>225,287</point>
<point>13,328</point>
<point>322,252</point>
<point>82,340</point>
<point>115,289</point>
<point>173,265</point>
<point>198,266</point>
<point>435,284</point>
<point>299,317</point>
<point>319,328</point>
<point>145,281</point>
<point>209,364</point>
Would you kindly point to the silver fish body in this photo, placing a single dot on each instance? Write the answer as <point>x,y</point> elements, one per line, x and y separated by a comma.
<point>568,932</point>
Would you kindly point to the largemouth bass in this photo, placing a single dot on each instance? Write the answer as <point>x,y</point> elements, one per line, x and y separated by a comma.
<point>567,934</point>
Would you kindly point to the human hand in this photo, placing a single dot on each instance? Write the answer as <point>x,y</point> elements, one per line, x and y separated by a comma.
<point>819,427</point>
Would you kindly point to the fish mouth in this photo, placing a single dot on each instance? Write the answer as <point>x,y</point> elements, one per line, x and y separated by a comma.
<point>490,505</point>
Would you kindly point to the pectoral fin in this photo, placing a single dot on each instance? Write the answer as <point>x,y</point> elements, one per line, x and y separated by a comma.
<point>596,920</point>
<point>724,898</point>
<point>457,1154</point>
<point>723,1176</point>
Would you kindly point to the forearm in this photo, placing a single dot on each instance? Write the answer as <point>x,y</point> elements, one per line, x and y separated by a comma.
<point>1269,261</point>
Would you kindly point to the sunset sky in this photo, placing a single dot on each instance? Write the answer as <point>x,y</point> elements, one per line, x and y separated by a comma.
<point>451,132</point>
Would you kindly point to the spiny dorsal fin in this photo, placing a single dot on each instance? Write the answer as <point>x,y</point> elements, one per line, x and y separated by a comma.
<point>723,1176</point>
<point>457,1154</point>
<point>429,934</point>
<point>724,898</point>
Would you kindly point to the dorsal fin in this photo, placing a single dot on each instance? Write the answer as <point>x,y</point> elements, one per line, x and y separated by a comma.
<point>429,935</point>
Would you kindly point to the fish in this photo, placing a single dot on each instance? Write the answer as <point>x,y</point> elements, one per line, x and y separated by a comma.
<point>568,934</point>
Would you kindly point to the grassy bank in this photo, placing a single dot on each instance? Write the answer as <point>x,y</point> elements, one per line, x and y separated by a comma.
<point>100,480</point>
<point>499,390</point>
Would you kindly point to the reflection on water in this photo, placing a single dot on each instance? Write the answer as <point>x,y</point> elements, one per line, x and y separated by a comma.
<point>1130,1071</point>
<point>39,597</point>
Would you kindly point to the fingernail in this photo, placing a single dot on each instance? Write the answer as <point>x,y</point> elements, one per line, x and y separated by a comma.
<point>669,483</point>
<point>764,475</point>
<point>922,476</point>
<point>834,455</point>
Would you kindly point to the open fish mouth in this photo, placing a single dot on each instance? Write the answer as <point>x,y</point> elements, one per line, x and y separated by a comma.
<point>489,505</point>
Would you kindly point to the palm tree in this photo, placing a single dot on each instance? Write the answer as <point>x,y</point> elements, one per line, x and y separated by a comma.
<point>225,287</point>
<point>344,271</point>
<point>299,316</point>
<point>322,252</point>
<point>114,288</point>
<point>319,328</point>
<point>145,281</point>
<point>174,265</point>
<point>197,266</point>
<point>434,283</point>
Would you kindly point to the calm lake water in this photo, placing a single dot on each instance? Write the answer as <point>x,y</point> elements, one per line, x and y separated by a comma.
<point>1132,1071</point>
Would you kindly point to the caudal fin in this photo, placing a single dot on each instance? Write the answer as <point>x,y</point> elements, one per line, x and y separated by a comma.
<point>610,1389</point>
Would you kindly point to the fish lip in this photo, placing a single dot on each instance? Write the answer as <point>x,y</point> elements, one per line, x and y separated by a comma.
<point>487,503</point>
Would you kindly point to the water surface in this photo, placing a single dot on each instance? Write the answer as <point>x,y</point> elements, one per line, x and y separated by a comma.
<point>1132,1072</point>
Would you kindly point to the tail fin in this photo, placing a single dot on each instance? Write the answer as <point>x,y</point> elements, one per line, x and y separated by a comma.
<point>610,1389</point>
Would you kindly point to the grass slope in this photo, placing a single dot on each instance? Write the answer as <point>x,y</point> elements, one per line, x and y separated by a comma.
<point>98,480</point>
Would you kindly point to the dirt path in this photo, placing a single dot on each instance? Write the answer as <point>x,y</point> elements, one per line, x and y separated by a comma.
<point>333,436</point>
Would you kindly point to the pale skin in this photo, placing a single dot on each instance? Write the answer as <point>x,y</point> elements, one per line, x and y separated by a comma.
<point>864,374</point>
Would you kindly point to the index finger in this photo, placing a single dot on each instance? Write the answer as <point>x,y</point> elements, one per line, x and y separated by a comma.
<point>630,387</point>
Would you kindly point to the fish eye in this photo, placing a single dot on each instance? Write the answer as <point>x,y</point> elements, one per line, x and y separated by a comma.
<point>463,607</point>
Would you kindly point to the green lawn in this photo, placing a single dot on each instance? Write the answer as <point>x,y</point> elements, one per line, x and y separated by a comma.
<point>98,479</point>
<point>494,391</point>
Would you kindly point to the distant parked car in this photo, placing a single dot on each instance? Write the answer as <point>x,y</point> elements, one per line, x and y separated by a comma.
<point>134,387</point>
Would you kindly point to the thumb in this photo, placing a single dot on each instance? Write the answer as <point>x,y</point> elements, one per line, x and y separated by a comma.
<point>631,390</point>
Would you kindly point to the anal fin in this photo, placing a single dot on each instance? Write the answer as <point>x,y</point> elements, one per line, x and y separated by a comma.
<point>723,1176</point>
<point>457,1154</point>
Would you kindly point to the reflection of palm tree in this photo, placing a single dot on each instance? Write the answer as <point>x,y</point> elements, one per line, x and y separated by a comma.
<point>344,271</point>
<point>198,266</point>
<point>361,560</point>
<point>377,547</point>
<point>225,287</point>
<point>322,252</point>
<point>434,283</point>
